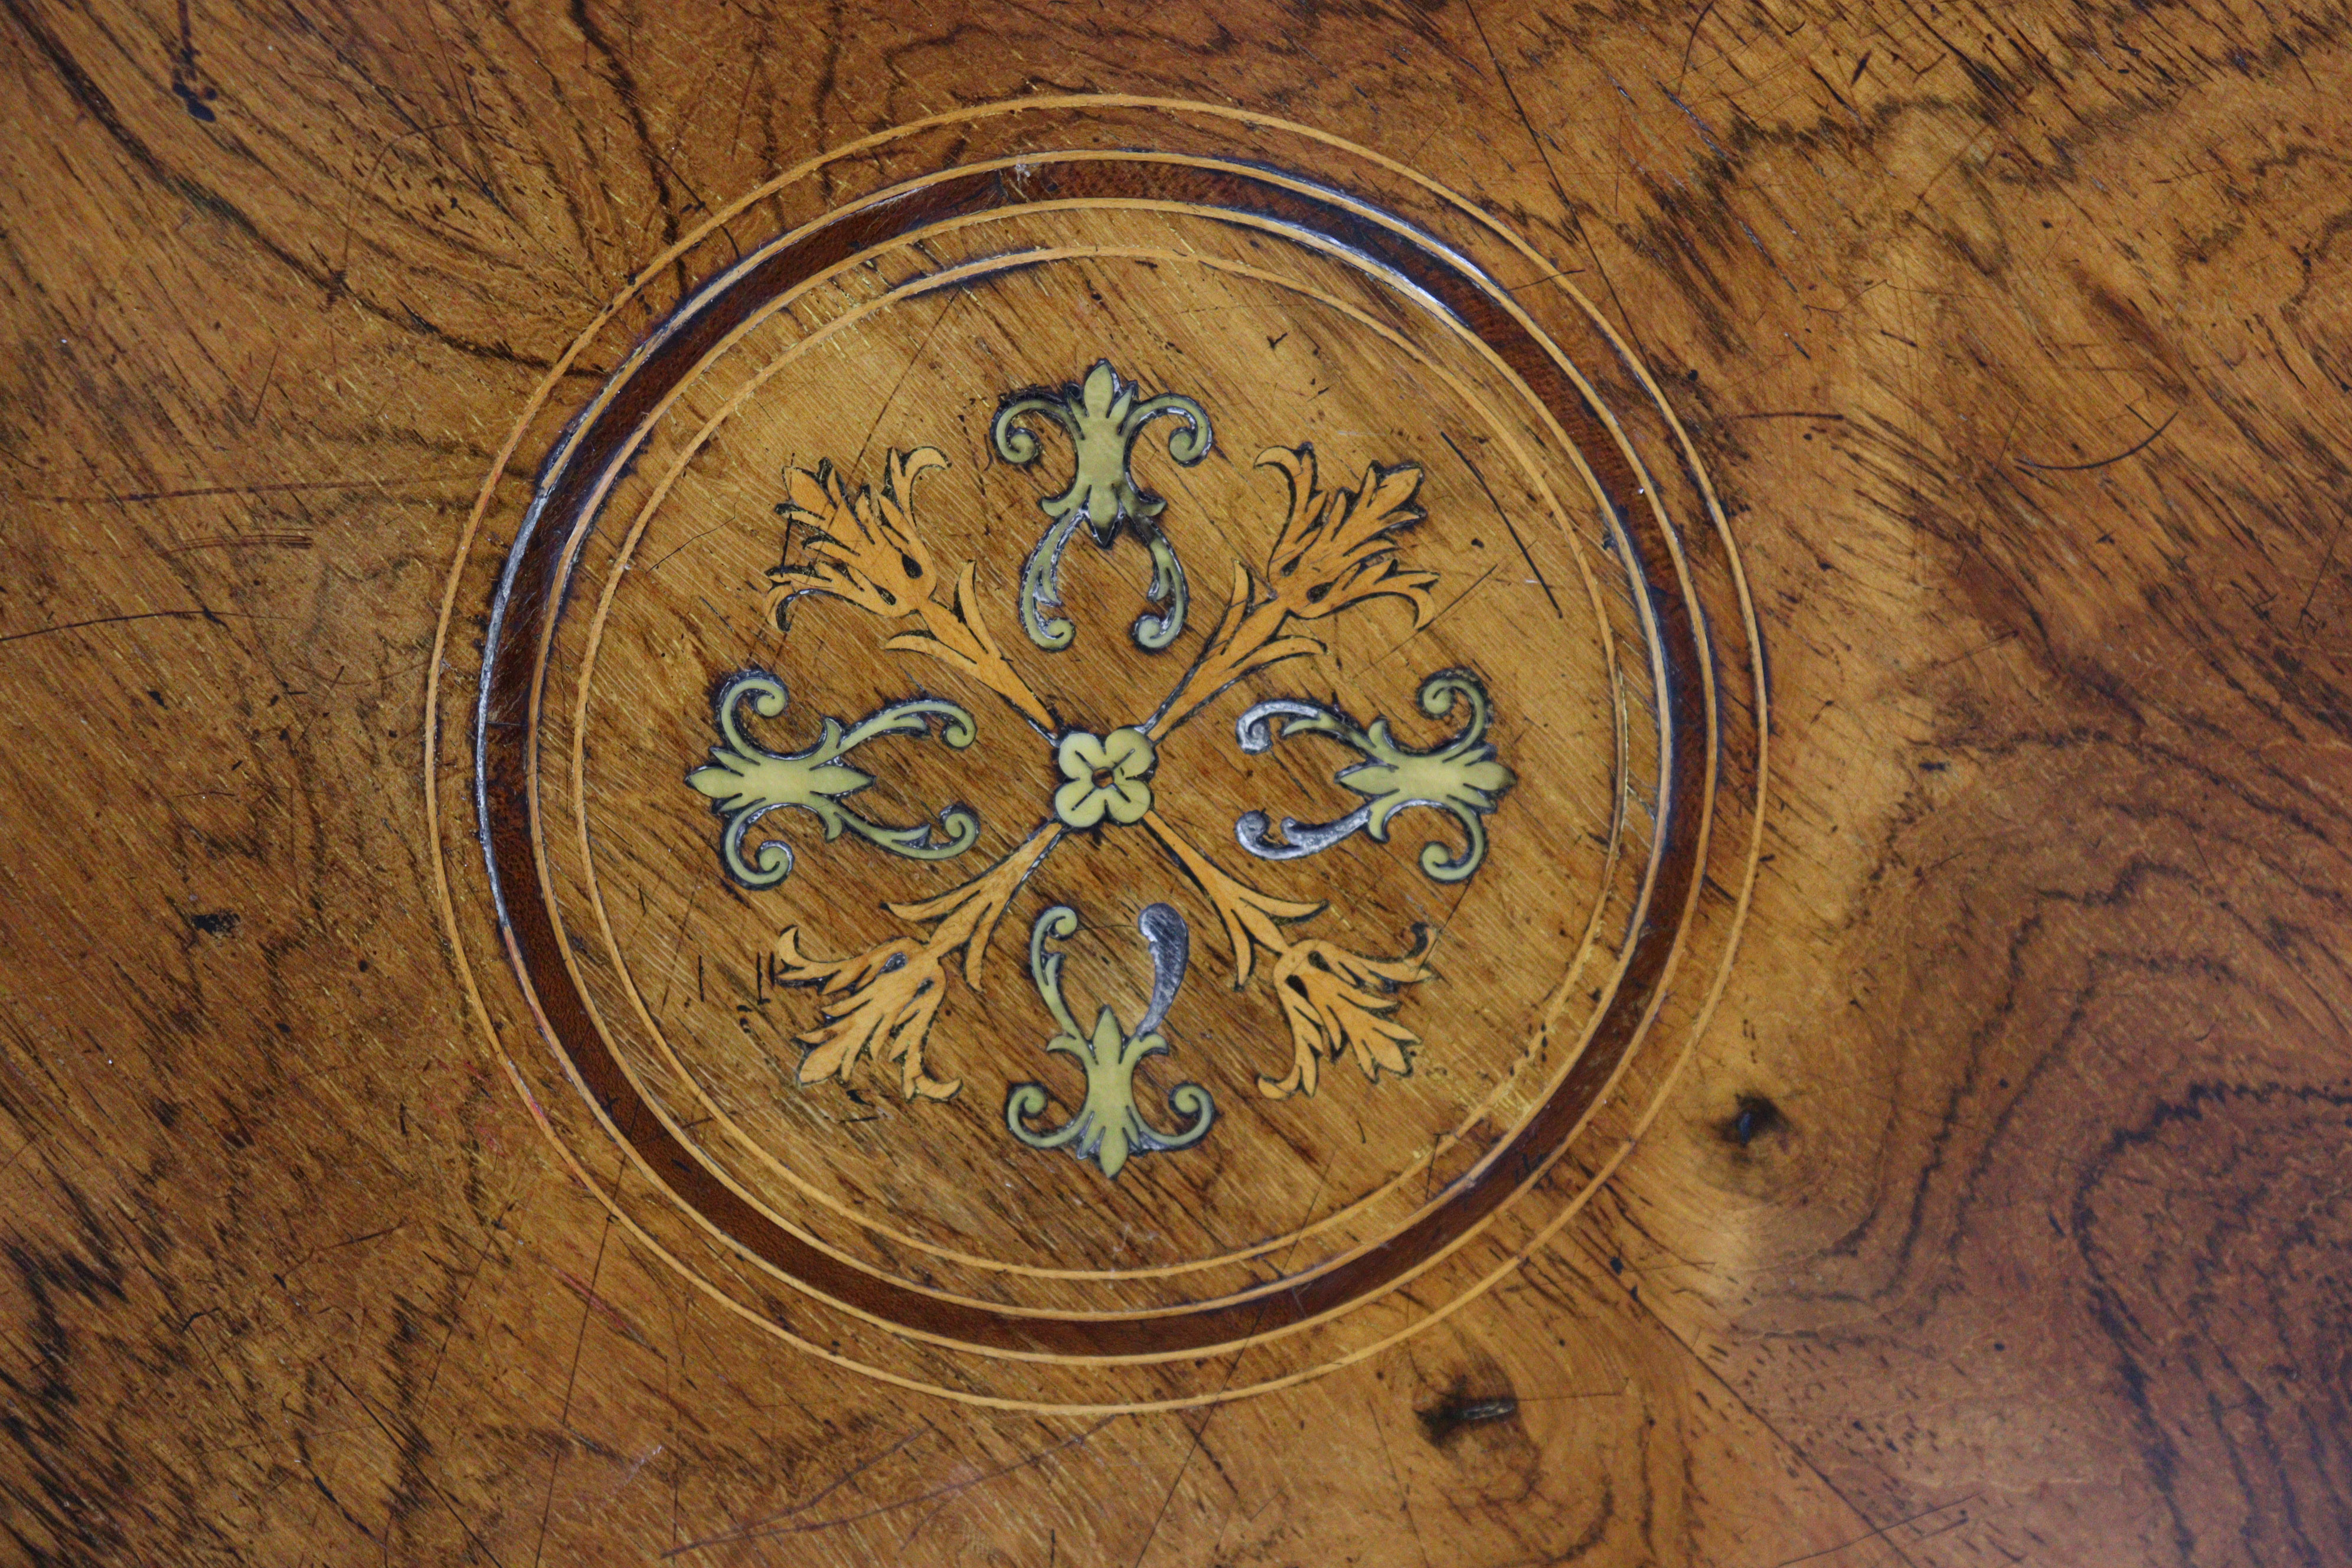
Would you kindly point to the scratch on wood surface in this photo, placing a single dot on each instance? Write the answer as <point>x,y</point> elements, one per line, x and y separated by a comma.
<point>2326,560</point>
<point>1397,646</point>
<point>1549,597</point>
<point>1404,1492</point>
<point>570,1383</point>
<point>1713,1373</point>
<point>457,1313</point>
<point>200,613</point>
<point>141,498</point>
<point>371,1236</point>
<point>1201,1432</point>
<point>840,1522</point>
<point>2134,449</point>
<point>1692,42</point>
<point>1567,207</point>
<point>394,1439</point>
<point>287,541</point>
<point>744,1531</point>
<point>1881,1533</point>
<point>603,1308</point>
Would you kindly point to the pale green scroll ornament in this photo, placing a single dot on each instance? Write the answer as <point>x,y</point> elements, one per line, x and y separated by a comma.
<point>1461,777</point>
<point>1104,419</point>
<point>1107,1127</point>
<point>745,781</point>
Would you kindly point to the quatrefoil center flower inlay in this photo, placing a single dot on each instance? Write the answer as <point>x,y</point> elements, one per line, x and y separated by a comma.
<point>1109,776</point>
<point>1335,548</point>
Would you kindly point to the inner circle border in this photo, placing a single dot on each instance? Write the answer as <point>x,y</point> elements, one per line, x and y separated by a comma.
<point>615,570</point>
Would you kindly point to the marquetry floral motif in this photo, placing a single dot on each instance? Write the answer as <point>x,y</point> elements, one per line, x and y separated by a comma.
<point>1460,777</point>
<point>1109,777</point>
<point>1107,1126</point>
<point>745,781</point>
<point>1337,547</point>
<point>1103,418</point>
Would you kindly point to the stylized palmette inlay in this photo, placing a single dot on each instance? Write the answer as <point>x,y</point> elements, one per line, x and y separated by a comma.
<point>1103,418</point>
<point>1461,777</point>
<point>1107,1126</point>
<point>1335,548</point>
<point>745,781</point>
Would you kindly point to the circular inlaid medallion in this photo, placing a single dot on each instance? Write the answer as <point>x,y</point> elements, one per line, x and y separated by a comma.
<point>1096,753</point>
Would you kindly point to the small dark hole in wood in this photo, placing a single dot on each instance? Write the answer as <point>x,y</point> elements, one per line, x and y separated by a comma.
<point>1753,1117</point>
<point>1445,1420</point>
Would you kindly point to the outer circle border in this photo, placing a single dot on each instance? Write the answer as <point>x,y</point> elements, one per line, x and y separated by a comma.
<point>535,591</point>
<point>1688,460</point>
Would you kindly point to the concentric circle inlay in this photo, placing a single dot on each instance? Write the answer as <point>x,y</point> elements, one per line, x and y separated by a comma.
<point>1096,753</point>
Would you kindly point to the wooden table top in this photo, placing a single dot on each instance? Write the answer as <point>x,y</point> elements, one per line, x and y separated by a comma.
<point>1396,785</point>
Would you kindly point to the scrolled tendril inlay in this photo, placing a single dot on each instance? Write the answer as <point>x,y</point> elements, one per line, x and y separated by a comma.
<point>1461,777</point>
<point>745,781</point>
<point>1107,1127</point>
<point>1103,417</point>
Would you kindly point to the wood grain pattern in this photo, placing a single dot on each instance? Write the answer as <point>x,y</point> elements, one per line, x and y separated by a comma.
<point>1999,1215</point>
